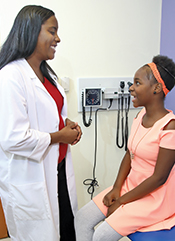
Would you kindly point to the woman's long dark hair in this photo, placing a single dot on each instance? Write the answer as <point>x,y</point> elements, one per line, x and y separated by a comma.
<point>22,39</point>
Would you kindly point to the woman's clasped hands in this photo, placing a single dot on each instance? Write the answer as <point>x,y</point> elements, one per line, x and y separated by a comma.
<point>70,134</point>
<point>75,136</point>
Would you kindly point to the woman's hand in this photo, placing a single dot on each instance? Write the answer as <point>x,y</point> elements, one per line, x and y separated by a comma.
<point>111,197</point>
<point>76,127</point>
<point>70,134</point>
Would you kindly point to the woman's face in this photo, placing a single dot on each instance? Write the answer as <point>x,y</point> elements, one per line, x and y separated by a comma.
<point>47,40</point>
<point>143,88</point>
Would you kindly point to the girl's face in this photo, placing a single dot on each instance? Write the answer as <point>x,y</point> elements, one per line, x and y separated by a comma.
<point>47,40</point>
<point>143,88</point>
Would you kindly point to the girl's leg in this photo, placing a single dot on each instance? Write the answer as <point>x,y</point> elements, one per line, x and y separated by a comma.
<point>106,232</point>
<point>85,221</point>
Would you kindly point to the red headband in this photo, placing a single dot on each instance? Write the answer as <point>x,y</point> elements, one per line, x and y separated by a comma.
<point>158,77</point>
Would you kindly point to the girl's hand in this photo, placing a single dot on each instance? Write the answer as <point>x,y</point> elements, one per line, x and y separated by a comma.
<point>111,197</point>
<point>116,204</point>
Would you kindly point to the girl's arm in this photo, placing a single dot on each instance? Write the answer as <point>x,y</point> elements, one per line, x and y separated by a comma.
<point>164,164</point>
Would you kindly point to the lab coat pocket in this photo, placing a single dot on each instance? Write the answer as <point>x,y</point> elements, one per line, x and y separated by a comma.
<point>30,201</point>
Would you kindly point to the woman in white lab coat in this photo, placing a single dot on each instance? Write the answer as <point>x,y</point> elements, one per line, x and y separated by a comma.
<point>33,127</point>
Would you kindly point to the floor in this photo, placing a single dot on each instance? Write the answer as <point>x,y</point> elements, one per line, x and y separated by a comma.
<point>125,239</point>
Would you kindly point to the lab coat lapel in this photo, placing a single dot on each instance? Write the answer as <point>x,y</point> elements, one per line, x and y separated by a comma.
<point>33,77</point>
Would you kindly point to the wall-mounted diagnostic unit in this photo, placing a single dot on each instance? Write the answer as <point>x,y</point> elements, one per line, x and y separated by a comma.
<point>97,92</point>
<point>103,94</point>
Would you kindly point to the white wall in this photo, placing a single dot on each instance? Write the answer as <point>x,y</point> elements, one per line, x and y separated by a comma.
<point>100,38</point>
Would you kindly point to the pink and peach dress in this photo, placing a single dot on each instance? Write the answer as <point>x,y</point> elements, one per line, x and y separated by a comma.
<point>156,210</point>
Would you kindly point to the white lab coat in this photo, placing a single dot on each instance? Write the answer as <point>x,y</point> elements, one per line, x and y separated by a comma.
<point>28,165</point>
